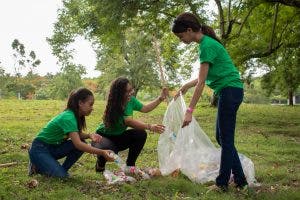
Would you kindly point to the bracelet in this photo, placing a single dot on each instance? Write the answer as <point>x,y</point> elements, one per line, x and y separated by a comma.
<point>189,110</point>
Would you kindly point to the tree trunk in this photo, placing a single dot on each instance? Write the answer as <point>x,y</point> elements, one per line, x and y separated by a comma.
<point>291,103</point>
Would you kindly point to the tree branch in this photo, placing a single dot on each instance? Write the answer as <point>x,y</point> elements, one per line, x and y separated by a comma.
<point>285,27</point>
<point>230,21</point>
<point>293,3</point>
<point>293,45</point>
<point>261,54</point>
<point>221,15</point>
<point>274,26</point>
<point>192,7</point>
<point>244,21</point>
<point>229,12</point>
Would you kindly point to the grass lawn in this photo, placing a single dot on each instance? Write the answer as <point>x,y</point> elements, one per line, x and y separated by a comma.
<point>269,135</point>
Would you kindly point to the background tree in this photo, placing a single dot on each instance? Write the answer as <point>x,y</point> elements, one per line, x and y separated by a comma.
<point>238,23</point>
<point>135,60</point>
<point>107,24</point>
<point>22,60</point>
<point>284,73</point>
<point>59,86</point>
<point>4,80</point>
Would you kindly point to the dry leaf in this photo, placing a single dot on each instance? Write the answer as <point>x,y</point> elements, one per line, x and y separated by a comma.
<point>33,183</point>
<point>25,146</point>
<point>175,173</point>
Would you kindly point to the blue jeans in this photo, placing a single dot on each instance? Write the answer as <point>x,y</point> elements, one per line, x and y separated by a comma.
<point>44,156</point>
<point>229,101</point>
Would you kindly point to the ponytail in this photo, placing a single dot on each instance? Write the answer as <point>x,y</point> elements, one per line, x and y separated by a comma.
<point>207,30</point>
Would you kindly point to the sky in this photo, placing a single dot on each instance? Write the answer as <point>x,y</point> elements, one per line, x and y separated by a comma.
<point>31,22</point>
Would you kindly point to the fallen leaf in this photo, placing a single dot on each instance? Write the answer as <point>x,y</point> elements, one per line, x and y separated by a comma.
<point>33,183</point>
<point>175,173</point>
<point>25,146</point>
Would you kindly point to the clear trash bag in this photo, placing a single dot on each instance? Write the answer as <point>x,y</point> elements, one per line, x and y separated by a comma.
<point>190,150</point>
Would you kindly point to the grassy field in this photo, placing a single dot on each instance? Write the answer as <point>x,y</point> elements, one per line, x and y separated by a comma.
<point>269,135</point>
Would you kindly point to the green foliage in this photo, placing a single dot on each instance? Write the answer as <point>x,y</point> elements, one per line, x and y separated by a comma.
<point>284,72</point>
<point>122,34</point>
<point>113,27</point>
<point>254,93</point>
<point>23,61</point>
<point>252,40</point>
<point>60,85</point>
<point>32,86</point>
<point>4,80</point>
<point>136,62</point>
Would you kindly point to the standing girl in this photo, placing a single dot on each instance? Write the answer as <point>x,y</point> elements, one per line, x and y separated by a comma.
<point>63,137</point>
<point>219,73</point>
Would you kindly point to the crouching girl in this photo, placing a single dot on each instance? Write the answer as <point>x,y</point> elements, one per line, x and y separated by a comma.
<point>63,137</point>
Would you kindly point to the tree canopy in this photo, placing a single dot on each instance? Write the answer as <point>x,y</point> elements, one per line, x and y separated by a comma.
<point>122,33</point>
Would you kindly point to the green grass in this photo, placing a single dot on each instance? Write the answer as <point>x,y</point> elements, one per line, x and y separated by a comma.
<point>269,135</point>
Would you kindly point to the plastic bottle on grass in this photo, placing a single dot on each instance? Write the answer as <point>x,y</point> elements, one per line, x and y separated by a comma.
<point>131,170</point>
<point>117,178</point>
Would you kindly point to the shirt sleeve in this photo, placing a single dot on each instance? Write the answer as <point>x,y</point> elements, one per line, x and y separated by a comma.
<point>69,124</point>
<point>207,55</point>
<point>137,105</point>
<point>132,105</point>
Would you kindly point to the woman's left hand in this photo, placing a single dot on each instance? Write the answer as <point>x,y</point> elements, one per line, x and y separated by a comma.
<point>95,137</point>
<point>187,119</point>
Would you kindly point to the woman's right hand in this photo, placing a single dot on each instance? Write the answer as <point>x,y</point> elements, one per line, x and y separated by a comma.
<point>107,154</point>
<point>182,90</point>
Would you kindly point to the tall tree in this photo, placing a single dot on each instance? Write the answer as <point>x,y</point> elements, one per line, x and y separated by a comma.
<point>136,61</point>
<point>106,24</point>
<point>22,60</point>
<point>284,72</point>
<point>239,24</point>
<point>64,82</point>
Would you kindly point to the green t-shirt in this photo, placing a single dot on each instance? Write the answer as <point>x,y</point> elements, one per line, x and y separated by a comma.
<point>222,72</point>
<point>57,130</point>
<point>120,127</point>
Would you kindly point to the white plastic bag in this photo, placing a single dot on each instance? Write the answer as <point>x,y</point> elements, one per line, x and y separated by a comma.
<point>190,150</point>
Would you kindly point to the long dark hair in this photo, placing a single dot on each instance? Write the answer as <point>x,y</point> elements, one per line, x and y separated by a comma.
<point>115,102</point>
<point>81,94</point>
<point>188,20</point>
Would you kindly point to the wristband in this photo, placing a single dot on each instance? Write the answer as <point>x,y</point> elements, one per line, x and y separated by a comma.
<point>189,110</point>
